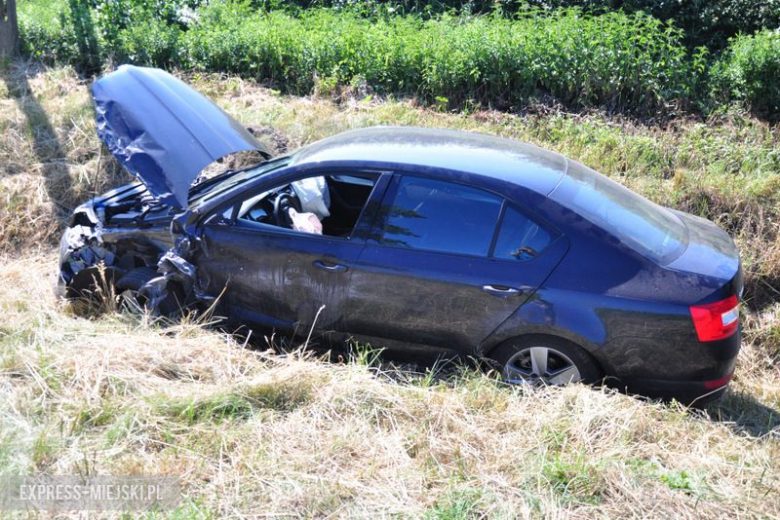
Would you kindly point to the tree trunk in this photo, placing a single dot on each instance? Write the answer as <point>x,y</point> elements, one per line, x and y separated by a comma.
<point>9,29</point>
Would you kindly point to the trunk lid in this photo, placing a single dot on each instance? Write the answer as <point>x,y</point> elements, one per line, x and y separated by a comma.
<point>163,131</point>
<point>712,256</point>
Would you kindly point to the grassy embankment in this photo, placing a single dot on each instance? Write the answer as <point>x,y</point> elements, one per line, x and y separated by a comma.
<point>250,432</point>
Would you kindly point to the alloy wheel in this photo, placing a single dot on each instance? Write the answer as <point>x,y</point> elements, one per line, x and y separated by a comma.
<point>541,366</point>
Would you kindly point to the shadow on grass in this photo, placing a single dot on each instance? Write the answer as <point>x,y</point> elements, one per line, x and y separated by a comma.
<point>46,146</point>
<point>745,414</point>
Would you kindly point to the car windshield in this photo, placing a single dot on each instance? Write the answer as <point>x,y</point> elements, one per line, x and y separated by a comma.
<point>232,178</point>
<point>647,228</point>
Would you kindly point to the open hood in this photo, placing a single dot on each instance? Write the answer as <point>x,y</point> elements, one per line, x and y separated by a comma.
<point>163,131</point>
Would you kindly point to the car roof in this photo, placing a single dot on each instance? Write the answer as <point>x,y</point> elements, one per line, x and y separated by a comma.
<point>503,159</point>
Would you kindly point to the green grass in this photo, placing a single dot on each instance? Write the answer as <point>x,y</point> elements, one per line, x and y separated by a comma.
<point>574,479</point>
<point>457,504</point>
<point>237,405</point>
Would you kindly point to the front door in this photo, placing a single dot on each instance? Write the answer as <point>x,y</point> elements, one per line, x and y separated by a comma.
<point>271,275</point>
<point>276,277</point>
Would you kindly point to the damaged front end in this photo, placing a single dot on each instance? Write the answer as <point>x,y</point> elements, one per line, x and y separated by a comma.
<point>175,274</point>
<point>124,232</point>
<point>83,251</point>
<point>138,237</point>
<point>120,240</point>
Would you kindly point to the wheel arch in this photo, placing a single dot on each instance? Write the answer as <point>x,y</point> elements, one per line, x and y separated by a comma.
<point>594,369</point>
<point>529,335</point>
<point>526,339</point>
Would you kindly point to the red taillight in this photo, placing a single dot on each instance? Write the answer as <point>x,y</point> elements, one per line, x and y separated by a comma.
<point>715,321</point>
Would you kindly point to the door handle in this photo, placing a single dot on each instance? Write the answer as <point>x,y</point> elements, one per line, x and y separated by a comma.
<point>500,290</point>
<point>334,268</point>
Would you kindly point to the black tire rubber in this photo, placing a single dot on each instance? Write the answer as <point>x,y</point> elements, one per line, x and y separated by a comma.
<point>172,305</point>
<point>590,371</point>
<point>89,282</point>
<point>136,278</point>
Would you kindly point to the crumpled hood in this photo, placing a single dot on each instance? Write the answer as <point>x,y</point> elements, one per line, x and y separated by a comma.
<point>163,131</point>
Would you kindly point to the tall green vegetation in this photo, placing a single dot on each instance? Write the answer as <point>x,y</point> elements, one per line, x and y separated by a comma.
<point>750,71</point>
<point>709,23</point>
<point>613,60</point>
<point>616,61</point>
<point>705,22</point>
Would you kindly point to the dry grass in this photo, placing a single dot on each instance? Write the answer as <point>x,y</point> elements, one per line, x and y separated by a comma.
<point>254,433</point>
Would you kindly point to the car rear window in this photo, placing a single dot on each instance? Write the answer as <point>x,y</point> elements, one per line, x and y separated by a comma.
<point>520,238</point>
<point>645,227</point>
<point>441,216</point>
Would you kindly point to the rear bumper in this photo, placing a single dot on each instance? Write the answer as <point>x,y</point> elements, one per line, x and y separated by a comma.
<point>692,372</point>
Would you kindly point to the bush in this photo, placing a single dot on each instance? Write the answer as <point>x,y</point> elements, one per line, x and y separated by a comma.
<point>705,22</point>
<point>292,53</point>
<point>86,33</point>
<point>616,61</point>
<point>150,43</point>
<point>47,36</point>
<point>750,72</point>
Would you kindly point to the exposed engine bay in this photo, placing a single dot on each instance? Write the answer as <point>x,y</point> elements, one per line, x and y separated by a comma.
<point>111,235</point>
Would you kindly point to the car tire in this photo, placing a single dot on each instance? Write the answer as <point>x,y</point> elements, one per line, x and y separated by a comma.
<point>90,282</point>
<point>131,283</point>
<point>545,361</point>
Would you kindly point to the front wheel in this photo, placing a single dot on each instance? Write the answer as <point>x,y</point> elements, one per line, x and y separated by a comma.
<point>130,285</point>
<point>546,361</point>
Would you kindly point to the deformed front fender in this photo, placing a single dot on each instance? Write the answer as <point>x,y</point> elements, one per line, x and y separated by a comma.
<point>85,258</point>
<point>174,266</point>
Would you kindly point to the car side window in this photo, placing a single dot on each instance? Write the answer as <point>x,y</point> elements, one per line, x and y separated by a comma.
<point>520,238</point>
<point>441,216</point>
<point>322,204</point>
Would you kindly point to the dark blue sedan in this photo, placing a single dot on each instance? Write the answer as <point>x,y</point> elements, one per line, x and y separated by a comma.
<point>413,238</point>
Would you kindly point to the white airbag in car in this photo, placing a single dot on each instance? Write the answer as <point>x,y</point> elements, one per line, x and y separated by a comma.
<point>314,196</point>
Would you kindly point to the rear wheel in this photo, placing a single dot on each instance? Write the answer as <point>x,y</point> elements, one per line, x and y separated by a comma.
<point>547,361</point>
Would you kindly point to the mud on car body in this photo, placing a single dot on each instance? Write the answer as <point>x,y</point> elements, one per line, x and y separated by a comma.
<point>417,238</point>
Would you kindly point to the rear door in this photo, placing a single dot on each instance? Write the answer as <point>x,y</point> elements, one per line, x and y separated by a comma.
<point>446,264</point>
